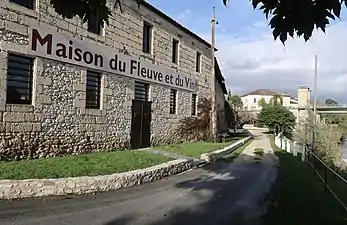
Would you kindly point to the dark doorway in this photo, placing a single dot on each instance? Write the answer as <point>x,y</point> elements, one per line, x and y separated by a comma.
<point>141,124</point>
<point>141,117</point>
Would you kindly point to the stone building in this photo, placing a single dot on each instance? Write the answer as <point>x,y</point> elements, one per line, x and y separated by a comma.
<point>69,87</point>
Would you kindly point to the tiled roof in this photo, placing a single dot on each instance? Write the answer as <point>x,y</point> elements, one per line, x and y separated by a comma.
<point>265,92</point>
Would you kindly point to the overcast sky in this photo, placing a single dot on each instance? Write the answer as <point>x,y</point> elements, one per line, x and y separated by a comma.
<point>249,57</point>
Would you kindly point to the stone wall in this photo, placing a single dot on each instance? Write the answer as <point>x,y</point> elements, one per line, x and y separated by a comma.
<point>57,122</point>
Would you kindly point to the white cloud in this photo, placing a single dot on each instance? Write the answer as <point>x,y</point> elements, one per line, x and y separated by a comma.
<point>254,60</point>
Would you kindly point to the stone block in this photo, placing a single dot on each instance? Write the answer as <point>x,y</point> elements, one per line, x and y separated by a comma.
<point>79,87</point>
<point>43,99</point>
<point>21,127</point>
<point>36,127</point>
<point>30,117</point>
<point>101,120</point>
<point>16,28</point>
<point>14,117</point>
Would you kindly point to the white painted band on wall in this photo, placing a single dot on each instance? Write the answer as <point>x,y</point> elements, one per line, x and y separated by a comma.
<point>47,43</point>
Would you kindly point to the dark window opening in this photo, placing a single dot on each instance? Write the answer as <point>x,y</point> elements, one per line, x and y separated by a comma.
<point>141,91</point>
<point>19,79</point>
<point>93,22</point>
<point>175,46</point>
<point>26,3</point>
<point>147,38</point>
<point>93,90</point>
<point>198,62</point>
<point>173,96</point>
<point>193,104</point>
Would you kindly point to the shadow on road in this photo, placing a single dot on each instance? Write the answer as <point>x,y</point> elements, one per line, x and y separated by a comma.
<point>233,194</point>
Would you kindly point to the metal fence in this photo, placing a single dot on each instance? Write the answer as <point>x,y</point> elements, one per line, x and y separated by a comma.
<point>329,176</point>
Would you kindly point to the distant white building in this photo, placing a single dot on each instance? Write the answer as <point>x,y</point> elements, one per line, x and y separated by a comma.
<point>251,100</point>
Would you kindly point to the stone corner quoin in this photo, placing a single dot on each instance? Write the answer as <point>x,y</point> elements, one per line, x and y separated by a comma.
<point>16,189</point>
<point>66,88</point>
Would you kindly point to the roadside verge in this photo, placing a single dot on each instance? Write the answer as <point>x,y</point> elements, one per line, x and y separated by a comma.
<point>14,189</point>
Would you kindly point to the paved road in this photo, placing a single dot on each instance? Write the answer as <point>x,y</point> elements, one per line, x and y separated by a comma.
<point>216,194</point>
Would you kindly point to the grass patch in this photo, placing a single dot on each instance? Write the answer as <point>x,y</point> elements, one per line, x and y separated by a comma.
<point>259,151</point>
<point>231,157</point>
<point>195,149</point>
<point>299,197</point>
<point>93,164</point>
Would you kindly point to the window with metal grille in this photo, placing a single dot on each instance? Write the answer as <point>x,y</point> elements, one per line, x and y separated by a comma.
<point>193,104</point>
<point>26,3</point>
<point>141,91</point>
<point>198,62</point>
<point>173,95</point>
<point>147,38</point>
<point>93,90</point>
<point>93,22</point>
<point>175,46</point>
<point>19,79</point>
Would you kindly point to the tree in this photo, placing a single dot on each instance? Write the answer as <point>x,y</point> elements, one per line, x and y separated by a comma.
<point>278,118</point>
<point>327,137</point>
<point>330,102</point>
<point>287,17</point>
<point>262,103</point>
<point>276,100</point>
<point>236,105</point>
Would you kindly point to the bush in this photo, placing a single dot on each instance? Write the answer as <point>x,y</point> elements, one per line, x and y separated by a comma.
<point>196,128</point>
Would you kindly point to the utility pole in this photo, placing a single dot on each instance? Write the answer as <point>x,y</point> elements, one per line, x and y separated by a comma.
<point>314,103</point>
<point>213,78</point>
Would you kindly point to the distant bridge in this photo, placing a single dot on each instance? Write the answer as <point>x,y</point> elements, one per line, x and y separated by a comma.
<point>338,109</point>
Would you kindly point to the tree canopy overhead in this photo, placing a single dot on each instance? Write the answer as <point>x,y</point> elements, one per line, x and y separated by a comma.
<point>298,17</point>
<point>287,17</point>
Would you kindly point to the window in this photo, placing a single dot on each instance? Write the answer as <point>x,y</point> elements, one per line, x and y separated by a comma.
<point>175,46</point>
<point>26,3</point>
<point>173,96</point>
<point>198,62</point>
<point>141,91</point>
<point>19,79</point>
<point>193,104</point>
<point>147,38</point>
<point>93,22</point>
<point>255,100</point>
<point>93,90</point>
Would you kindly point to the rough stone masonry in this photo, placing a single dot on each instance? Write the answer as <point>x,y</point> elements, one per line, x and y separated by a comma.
<point>57,121</point>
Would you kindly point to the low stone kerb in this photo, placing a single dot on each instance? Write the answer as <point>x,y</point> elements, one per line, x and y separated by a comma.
<point>13,189</point>
<point>212,156</point>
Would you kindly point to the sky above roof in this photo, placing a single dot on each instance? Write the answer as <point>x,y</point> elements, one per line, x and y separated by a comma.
<point>249,57</point>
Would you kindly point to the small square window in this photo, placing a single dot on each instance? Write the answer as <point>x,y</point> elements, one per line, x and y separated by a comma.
<point>93,90</point>
<point>147,38</point>
<point>93,22</point>
<point>19,79</point>
<point>141,91</point>
<point>175,50</point>
<point>198,62</point>
<point>173,100</point>
<point>194,104</point>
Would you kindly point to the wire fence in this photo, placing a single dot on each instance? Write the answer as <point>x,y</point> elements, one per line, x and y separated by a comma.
<point>331,179</point>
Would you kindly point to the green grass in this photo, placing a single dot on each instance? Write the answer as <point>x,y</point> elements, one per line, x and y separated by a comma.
<point>80,165</point>
<point>195,149</point>
<point>299,197</point>
<point>231,157</point>
<point>259,151</point>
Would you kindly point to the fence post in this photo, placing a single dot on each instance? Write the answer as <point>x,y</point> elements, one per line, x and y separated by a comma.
<point>283,146</point>
<point>303,153</point>
<point>325,178</point>
<point>294,149</point>
<point>288,146</point>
